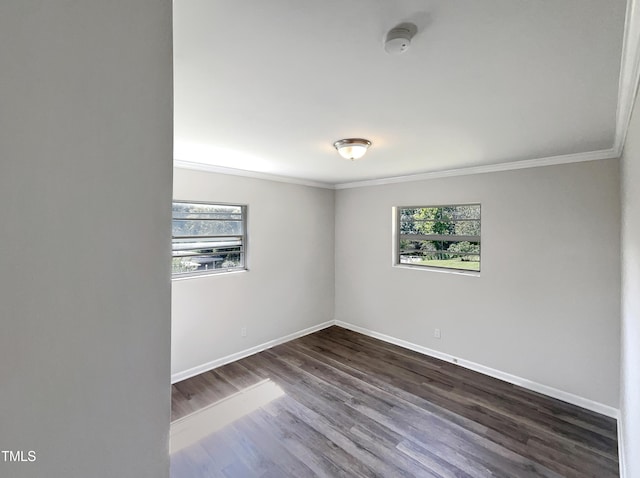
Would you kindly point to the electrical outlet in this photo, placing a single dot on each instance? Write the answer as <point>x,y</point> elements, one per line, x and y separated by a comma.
<point>436,333</point>
<point>243,332</point>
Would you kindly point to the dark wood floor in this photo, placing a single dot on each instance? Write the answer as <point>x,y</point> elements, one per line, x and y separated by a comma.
<point>356,406</point>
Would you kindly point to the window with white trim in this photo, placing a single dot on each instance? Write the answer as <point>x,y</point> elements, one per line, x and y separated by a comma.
<point>443,237</point>
<point>208,238</point>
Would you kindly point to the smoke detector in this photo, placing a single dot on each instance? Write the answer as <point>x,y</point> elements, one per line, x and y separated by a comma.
<point>398,40</point>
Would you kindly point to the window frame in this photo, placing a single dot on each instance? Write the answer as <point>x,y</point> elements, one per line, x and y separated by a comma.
<point>398,237</point>
<point>215,271</point>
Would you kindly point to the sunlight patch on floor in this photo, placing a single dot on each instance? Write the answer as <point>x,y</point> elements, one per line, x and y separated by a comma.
<point>194,427</point>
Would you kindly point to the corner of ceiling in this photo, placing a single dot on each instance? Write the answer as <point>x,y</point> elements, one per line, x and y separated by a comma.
<point>210,168</point>
<point>629,74</point>
<point>489,168</point>
<point>627,89</point>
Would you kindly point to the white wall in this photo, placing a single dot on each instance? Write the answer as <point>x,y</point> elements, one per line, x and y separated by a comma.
<point>85,192</point>
<point>546,304</point>
<point>289,285</point>
<point>630,366</point>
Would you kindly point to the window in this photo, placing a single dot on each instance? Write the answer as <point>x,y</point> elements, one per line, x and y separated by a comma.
<point>445,237</point>
<point>208,238</point>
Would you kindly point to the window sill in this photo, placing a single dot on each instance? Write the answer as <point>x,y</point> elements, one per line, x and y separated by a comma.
<point>437,269</point>
<point>210,274</point>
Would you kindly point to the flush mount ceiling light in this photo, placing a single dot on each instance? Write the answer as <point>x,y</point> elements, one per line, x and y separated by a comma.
<point>352,148</point>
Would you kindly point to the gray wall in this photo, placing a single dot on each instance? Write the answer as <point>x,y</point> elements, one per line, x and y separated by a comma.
<point>289,286</point>
<point>630,367</point>
<point>546,304</point>
<point>85,192</point>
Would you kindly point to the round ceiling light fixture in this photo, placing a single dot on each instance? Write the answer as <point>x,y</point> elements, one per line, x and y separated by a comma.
<point>352,148</point>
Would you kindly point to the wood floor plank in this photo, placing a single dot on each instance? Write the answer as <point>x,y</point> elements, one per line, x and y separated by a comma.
<point>414,382</point>
<point>599,432</point>
<point>555,408</point>
<point>361,450</point>
<point>238,375</point>
<point>357,406</point>
<point>320,465</point>
<point>464,404</point>
<point>261,435</point>
<point>197,462</point>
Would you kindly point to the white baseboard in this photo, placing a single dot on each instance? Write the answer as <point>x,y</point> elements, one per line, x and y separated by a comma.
<point>507,377</point>
<point>205,367</point>
<point>621,462</point>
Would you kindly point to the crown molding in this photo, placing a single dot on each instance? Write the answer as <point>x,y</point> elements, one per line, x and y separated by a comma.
<point>489,168</point>
<point>210,168</point>
<point>629,73</point>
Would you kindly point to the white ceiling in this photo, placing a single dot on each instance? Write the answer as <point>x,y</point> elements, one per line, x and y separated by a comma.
<point>268,86</point>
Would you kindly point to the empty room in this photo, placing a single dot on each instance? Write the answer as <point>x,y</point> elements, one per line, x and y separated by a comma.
<point>396,239</point>
<point>320,239</point>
